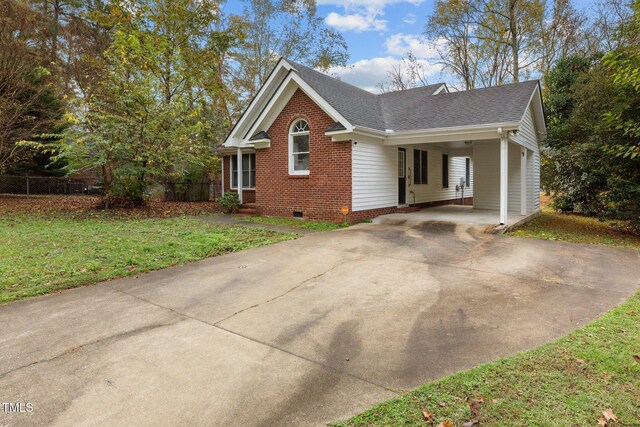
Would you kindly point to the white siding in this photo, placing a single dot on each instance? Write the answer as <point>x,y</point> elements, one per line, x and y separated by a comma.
<point>433,190</point>
<point>486,184</point>
<point>374,176</point>
<point>528,136</point>
<point>486,189</point>
<point>536,181</point>
<point>514,191</point>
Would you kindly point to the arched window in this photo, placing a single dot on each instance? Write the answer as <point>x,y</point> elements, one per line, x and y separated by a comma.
<point>299,148</point>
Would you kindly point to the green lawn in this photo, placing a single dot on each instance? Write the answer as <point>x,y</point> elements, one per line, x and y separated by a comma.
<point>569,382</point>
<point>39,255</point>
<point>295,223</point>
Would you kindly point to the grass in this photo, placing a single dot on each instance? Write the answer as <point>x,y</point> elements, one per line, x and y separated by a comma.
<point>42,254</point>
<point>295,223</point>
<point>565,383</point>
<point>568,382</point>
<point>551,225</point>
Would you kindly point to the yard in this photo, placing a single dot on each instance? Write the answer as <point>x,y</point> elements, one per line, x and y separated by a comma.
<point>590,377</point>
<point>52,243</point>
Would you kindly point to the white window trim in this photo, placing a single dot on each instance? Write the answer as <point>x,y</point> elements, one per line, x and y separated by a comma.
<point>290,151</point>
<point>231,163</point>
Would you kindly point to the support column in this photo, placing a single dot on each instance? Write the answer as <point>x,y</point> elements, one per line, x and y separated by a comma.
<point>523,181</point>
<point>222,174</point>
<point>239,168</point>
<point>504,178</point>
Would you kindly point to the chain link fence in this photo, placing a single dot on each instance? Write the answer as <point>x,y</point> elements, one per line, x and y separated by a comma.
<point>32,185</point>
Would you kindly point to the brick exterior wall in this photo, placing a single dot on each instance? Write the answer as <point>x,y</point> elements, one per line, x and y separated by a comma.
<point>327,188</point>
<point>248,196</point>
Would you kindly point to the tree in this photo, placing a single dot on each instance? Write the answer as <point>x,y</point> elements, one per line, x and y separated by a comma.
<point>31,111</point>
<point>487,39</point>
<point>408,74</point>
<point>274,29</point>
<point>490,42</point>
<point>589,146</point>
<point>151,115</point>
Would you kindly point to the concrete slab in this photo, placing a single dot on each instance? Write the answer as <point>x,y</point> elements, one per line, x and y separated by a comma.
<point>301,332</point>
<point>456,214</point>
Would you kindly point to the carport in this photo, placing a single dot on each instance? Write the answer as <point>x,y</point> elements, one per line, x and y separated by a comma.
<point>505,170</point>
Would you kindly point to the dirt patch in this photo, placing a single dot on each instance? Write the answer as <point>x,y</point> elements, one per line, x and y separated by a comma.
<point>89,206</point>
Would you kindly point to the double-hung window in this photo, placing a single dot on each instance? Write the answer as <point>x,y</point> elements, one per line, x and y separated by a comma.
<point>299,148</point>
<point>248,171</point>
<point>420,167</point>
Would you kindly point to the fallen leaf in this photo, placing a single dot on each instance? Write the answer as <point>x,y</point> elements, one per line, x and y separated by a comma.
<point>636,358</point>
<point>609,415</point>
<point>470,423</point>
<point>445,424</point>
<point>427,416</point>
<point>602,422</point>
<point>442,404</point>
<point>494,400</point>
<point>474,406</point>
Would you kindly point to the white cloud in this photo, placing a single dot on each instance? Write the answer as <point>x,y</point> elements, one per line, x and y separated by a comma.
<point>380,4</point>
<point>401,44</point>
<point>356,22</point>
<point>367,73</point>
<point>410,19</point>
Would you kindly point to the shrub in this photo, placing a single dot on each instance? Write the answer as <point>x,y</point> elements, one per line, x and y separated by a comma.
<point>230,202</point>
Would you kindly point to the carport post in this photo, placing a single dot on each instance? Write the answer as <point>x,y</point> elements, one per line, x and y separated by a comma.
<point>504,176</point>
<point>239,174</point>
<point>523,181</point>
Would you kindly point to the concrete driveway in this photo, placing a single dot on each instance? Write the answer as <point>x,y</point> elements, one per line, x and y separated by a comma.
<point>301,332</point>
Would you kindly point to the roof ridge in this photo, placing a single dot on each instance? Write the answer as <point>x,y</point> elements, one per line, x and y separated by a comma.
<point>475,89</point>
<point>295,64</point>
<point>411,88</point>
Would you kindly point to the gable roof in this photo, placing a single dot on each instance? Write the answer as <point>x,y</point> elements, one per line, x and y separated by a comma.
<point>430,108</point>
<point>423,107</point>
<point>356,105</point>
<point>414,109</point>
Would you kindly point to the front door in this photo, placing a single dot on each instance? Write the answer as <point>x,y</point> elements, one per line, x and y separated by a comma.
<point>402,180</point>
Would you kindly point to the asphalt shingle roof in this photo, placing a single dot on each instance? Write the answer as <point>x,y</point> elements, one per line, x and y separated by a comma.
<point>418,108</point>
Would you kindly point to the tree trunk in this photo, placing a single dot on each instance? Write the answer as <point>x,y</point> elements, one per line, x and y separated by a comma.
<point>513,29</point>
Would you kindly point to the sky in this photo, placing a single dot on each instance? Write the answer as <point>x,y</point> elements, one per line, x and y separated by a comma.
<point>379,32</point>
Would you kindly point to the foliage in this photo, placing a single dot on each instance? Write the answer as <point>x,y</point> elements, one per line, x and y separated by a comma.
<point>151,115</point>
<point>274,29</point>
<point>71,252</point>
<point>31,110</point>
<point>486,43</point>
<point>593,109</point>
<point>569,382</point>
<point>229,202</point>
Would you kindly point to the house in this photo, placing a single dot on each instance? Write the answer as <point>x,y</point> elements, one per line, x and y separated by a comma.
<point>310,145</point>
